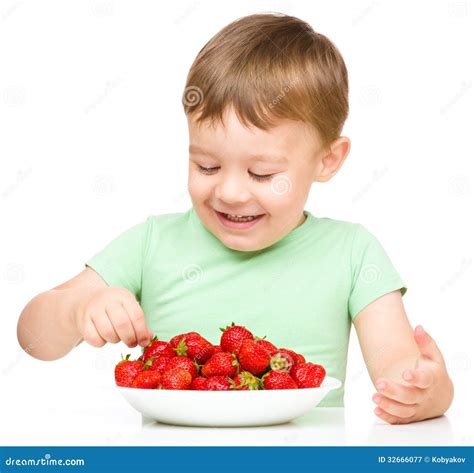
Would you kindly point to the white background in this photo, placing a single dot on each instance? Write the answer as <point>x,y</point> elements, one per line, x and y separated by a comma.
<point>93,139</point>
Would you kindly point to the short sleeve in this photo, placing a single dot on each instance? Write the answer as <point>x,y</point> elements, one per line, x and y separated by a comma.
<point>120,263</point>
<point>373,273</point>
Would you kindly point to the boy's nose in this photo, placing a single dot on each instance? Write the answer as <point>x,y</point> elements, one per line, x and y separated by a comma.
<point>231,190</point>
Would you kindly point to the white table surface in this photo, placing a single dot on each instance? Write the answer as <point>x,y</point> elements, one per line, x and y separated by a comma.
<point>74,401</point>
<point>112,421</point>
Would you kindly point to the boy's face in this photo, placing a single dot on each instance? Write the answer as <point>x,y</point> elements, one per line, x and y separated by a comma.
<point>233,158</point>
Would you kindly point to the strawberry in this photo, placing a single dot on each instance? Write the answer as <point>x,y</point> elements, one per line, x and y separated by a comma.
<point>233,336</point>
<point>192,345</point>
<point>183,362</point>
<point>293,354</point>
<point>308,375</point>
<point>220,364</point>
<point>199,383</point>
<point>300,359</point>
<point>147,380</point>
<point>266,344</point>
<point>245,381</point>
<point>218,383</point>
<point>217,348</point>
<point>126,370</point>
<point>278,380</point>
<point>281,361</point>
<point>253,357</point>
<point>176,378</point>
<point>157,348</point>
<point>157,363</point>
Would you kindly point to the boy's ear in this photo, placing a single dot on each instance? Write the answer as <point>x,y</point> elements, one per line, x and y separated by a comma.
<point>330,161</point>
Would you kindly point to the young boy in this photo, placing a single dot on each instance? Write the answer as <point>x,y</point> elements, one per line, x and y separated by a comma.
<point>266,100</point>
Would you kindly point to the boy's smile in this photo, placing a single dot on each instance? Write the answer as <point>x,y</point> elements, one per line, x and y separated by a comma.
<point>263,177</point>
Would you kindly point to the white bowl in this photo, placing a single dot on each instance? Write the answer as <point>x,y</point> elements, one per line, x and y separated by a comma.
<point>227,408</point>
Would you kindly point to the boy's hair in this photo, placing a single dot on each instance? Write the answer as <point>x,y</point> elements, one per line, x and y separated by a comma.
<point>270,67</point>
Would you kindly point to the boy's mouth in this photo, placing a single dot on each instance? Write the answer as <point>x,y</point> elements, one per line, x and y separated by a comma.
<point>238,221</point>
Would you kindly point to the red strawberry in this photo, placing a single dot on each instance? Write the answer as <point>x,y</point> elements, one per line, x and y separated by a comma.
<point>281,361</point>
<point>278,380</point>
<point>308,375</point>
<point>293,354</point>
<point>183,362</point>
<point>126,371</point>
<point>253,357</point>
<point>233,336</point>
<point>300,359</point>
<point>176,378</point>
<point>220,364</point>
<point>217,348</point>
<point>245,381</point>
<point>157,348</point>
<point>218,383</point>
<point>199,383</point>
<point>266,344</point>
<point>157,363</point>
<point>192,345</point>
<point>147,380</point>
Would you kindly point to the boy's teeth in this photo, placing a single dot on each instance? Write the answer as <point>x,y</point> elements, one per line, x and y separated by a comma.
<point>239,218</point>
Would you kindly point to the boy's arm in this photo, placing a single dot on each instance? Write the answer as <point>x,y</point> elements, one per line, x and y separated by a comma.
<point>406,366</point>
<point>45,328</point>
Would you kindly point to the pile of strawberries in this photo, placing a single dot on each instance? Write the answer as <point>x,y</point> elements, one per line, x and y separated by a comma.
<point>240,362</point>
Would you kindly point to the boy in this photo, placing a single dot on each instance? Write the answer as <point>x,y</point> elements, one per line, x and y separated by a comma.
<point>265,100</point>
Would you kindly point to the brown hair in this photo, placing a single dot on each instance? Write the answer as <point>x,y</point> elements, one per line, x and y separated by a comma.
<point>270,67</point>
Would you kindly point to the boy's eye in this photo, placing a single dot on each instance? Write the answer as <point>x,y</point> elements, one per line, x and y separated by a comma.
<point>257,177</point>
<point>206,170</point>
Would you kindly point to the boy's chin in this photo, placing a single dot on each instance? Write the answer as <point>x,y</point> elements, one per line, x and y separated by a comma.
<point>244,246</point>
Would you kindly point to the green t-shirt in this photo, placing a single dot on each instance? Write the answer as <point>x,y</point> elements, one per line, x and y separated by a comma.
<point>302,292</point>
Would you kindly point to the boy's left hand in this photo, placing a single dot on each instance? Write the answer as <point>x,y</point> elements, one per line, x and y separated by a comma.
<point>427,391</point>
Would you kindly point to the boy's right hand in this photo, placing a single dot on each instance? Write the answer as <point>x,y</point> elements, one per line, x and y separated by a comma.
<point>112,314</point>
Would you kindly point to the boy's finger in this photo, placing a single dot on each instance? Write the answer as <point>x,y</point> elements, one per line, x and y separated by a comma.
<point>395,408</point>
<point>137,319</point>
<point>388,417</point>
<point>419,377</point>
<point>91,335</point>
<point>106,329</point>
<point>399,392</point>
<point>122,324</point>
